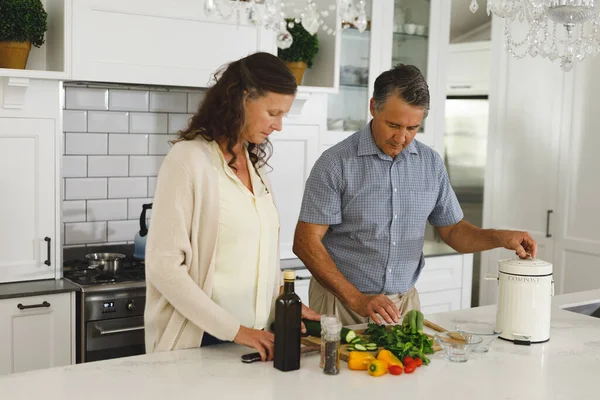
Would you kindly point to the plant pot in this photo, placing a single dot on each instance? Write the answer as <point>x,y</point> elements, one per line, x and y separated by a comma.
<point>14,54</point>
<point>297,68</point>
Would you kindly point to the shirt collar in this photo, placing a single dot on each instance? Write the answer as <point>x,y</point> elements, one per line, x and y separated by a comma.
<point>368,147</point>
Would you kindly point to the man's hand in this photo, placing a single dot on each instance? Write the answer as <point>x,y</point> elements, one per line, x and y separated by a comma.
<point>371,305</point>
<point>521,242</point>
<point>309,313</point>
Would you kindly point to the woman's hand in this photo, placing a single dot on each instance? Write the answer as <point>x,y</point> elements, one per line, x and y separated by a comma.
<point>310,314</point>
<point>262,341</point>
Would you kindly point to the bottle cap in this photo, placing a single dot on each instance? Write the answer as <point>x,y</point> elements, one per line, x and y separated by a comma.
<point>289,275</point>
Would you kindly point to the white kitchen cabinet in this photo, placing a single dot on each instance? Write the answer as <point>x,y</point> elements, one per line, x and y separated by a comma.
<point>401,31</point>
<point>296,149</point>
<point>28,219</point>
<point>542,167</point>
<point>302,283</point>
<point>36,332</point>
<point>441,301</point>
<point>469,66</point>
<point>152,42</point>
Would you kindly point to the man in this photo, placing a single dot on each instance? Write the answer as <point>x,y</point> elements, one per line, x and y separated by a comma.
<point>362,223</point>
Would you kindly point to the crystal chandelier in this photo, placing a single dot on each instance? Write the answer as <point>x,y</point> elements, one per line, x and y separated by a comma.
<point>272,15</point>
<point>578,37</point>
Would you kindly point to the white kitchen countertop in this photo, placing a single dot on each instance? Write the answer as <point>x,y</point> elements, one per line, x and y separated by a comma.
<point>566,367</point>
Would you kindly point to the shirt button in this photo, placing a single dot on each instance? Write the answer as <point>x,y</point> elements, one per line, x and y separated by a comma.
<point>395,216</point>
<point>394,243</point>
<point>395,190</point>
<point>390,271</point>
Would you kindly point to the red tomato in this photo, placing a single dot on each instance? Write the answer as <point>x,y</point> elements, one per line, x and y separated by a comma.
<point>418,362</point>
<point>409,369</point>
<point>408,361</point>
<point>395,369</point>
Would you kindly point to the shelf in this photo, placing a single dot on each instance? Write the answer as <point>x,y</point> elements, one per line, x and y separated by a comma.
<point>354,85</point>
<point>33,74</point>
<point>409,36</point>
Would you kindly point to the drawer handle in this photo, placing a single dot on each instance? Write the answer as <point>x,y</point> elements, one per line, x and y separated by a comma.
<point>49,242</point>
<point>460,86</point>
<point>303,278</point>
<point>113,331</point>
<point>22,307</point>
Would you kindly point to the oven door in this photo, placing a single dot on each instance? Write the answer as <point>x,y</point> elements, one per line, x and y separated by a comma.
<point>114,338</point>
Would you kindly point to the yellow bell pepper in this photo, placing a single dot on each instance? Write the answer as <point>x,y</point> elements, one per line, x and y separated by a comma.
<point>359,361</point>
<point>377,368</point>
<point>389,357</point>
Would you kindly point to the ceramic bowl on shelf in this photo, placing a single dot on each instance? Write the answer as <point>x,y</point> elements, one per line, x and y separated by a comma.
<point>457,345</point>
<point>487,332</point>
<point>410,28</point>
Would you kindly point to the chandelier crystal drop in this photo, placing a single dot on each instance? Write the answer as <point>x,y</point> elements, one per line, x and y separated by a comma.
<point>564,30</point>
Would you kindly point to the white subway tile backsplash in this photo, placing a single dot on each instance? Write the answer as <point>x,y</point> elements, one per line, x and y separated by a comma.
<point>168,102</point>
<point>135,208</point>
<point>73,211</point>
<point>178,122</point>
<point>127,144</point>
<point>74,166</point>
<point>74,121</point>
<point>86,143</point>
<point>108,166</point>
<point>122,230</point>
<point>148,123</point>
<point>115,141</point>
<point>106,210</point>
<point>128,100</point>
<point>159,144</point>
<point>194,99</point>
<point>85,232</point>
<point>108,121</point>
<point>145,165</point>
<point>85,188</point>
<point>152,186</point>
<point>77,98</point>
<point>123,188</point>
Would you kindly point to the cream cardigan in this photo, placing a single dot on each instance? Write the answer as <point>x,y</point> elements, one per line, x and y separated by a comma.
<point>180,253</point>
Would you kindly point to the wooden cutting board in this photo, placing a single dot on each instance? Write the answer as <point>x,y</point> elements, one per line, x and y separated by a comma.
<point>344,353</point>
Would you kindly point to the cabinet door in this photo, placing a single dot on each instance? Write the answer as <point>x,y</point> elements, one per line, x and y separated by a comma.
<point>302,284</point>
<point>574,225</point>
<point>439,302</point>
<point>469,68</point>
<point>149,42</point>
<point>37,337</point>
<point>27,213</point>
<point>523,152</point>
<point>420,36</point>
<point>295,150</point>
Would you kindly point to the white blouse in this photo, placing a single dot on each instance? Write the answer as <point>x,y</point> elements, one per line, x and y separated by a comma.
<point>245,269</point>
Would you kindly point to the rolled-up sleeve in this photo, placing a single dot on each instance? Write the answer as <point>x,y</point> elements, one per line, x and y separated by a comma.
<point>447,210</point>
<point>322,201</point>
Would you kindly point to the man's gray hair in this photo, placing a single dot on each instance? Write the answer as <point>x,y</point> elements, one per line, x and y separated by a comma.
<point>405,81</point>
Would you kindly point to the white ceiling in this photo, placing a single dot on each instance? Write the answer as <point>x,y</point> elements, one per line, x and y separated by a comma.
<point>463,20</point>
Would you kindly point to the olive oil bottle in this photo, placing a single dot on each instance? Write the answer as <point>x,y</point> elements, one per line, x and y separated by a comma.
<point>288,315</point>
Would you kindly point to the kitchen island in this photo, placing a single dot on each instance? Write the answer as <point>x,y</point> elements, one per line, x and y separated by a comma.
<point>566,367</point>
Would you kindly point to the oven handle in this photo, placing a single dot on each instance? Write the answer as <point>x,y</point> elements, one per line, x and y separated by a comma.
<point>113,331</point>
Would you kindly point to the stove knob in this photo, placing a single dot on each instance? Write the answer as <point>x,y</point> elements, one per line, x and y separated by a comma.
<point>131,306</point>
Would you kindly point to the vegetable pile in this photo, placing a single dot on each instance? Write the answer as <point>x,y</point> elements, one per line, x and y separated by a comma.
<point>406,340</point>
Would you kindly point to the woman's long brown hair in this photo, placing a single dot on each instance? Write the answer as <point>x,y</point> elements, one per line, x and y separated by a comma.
<point>221,116</point>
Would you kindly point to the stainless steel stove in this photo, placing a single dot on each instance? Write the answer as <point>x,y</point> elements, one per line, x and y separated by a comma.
<point>110,309</point>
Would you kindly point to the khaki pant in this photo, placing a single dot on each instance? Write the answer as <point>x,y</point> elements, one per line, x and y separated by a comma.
<point>324,302</point>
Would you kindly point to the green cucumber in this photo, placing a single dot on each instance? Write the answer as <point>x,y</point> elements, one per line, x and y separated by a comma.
<point>360,347</point>
<point>356,340</point>
<point>351,348</point>
<point>313,328</point>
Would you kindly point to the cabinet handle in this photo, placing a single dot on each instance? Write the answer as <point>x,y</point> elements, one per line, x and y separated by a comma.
<point>22,307</point>
<point>303,278</point>
<point>548,234</point>
<point>460,86</point>
<point>49,243</point>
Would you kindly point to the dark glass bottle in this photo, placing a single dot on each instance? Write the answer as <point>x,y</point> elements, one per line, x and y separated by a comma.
<point>288,314</point>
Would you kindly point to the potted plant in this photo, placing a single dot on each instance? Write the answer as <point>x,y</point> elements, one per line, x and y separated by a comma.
<point>23,23</point>
<point>301,53</point>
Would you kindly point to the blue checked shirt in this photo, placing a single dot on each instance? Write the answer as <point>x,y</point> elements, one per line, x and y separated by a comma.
<point>376,208</point>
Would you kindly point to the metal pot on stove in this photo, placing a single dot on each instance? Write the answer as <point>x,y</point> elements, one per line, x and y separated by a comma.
<point>109,263</point>
<point>139,243</point>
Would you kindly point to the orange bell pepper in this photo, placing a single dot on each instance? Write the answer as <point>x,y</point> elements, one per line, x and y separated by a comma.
<point>377,368</point>
<point>389,358</point>
<point>359,361</point>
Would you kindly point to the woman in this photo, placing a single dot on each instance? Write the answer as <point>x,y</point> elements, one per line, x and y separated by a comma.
<point>212,255</point>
